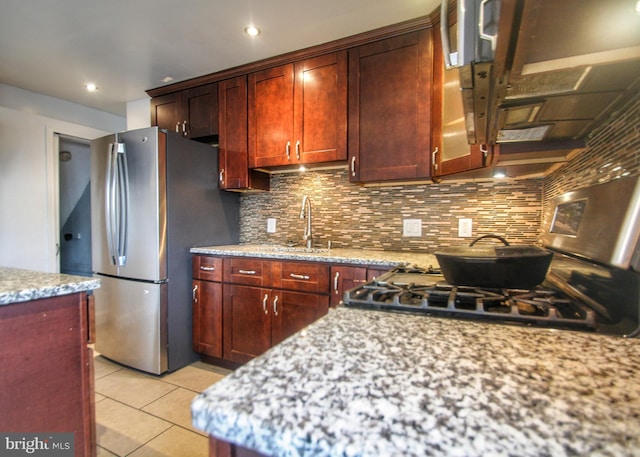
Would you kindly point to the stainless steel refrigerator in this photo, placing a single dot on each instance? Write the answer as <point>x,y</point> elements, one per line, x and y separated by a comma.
<point>154,195</point>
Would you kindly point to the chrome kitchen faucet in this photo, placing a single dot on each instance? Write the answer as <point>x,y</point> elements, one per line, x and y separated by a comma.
<point>306,205</point>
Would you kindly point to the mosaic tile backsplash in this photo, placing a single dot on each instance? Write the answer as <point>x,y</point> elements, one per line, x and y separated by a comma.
<point>613,151</point>
<point>372,217</point>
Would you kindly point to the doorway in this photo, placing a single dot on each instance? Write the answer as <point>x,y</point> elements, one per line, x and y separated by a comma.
<point>74,156</point>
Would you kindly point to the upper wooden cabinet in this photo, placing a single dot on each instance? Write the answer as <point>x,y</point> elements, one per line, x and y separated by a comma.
<point>298,112</point>
<point>191,112</point>
<point>233,153</point>
<point>390,109</point>
<point>451,153</point>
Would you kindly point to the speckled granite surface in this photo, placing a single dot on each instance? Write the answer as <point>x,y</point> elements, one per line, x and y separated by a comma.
<point>17,285</point>
<point>335,256</point>
<point>369,383</point>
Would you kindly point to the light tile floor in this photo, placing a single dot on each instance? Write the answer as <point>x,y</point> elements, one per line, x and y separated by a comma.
<point>142,415</point>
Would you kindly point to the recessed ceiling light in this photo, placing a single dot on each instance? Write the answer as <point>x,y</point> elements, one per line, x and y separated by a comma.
<point>91,87</point>
<point>252,30</point>
<point>167,79</point>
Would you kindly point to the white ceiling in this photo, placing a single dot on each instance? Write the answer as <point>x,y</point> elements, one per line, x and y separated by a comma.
<point>129,46</point>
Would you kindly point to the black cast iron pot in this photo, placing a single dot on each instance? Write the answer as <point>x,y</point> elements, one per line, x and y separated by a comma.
<point>496,267</point>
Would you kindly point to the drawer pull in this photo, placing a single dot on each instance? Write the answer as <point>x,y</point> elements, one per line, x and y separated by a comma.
<point>275,306</point>
<point>247,272</point>
<point>264,303</point>
<point>295,276</point>
<point>195,290</point>
<point>335,282</point>
<point>207,268</point>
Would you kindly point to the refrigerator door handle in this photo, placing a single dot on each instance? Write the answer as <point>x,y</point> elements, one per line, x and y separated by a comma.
<point>117,204</point>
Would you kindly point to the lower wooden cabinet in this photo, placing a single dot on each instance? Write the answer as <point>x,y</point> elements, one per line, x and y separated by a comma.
<point>246,322</point>
<point>207,318</point>
<point>348,277</point>
<point>254,318</point>
<point>343,279</point>
<point>47,369</point>
<point>243,306</point>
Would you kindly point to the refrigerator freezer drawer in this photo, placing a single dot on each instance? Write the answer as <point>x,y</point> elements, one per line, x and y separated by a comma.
<point>131,325</point>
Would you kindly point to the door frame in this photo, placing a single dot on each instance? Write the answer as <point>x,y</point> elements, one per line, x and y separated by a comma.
<point>81,134</point>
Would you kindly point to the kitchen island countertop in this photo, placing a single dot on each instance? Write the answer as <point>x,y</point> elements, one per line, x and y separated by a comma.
<point>335,255</point>
<point>370,383</point>
<point>18,285</point>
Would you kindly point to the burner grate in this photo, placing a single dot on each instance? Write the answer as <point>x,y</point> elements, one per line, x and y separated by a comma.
<point>426,292</point>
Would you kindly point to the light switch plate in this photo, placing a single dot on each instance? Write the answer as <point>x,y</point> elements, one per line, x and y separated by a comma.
<point>465,228</point>
<point>271,225</point>
<point>412,227</point>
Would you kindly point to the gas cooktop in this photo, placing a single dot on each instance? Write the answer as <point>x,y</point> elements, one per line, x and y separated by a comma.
<point>424,291</point>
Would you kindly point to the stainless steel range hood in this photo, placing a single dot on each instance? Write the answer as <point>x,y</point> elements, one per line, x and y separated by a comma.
<point>560,69</point>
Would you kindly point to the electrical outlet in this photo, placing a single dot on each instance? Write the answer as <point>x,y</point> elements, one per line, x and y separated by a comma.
<point>271,225</point>
<point>465,228</point>
<point>412,227</point>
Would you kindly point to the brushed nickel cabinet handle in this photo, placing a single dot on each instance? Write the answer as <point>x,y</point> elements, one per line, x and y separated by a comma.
<point>275,306</point>
<point>247,272</point>
<point>295,276</point>
<point>207,268</point>
<point>177,127</point>
<point>222,175</point>
<point>298,149</point>
<point>433,159</point>
<point>335,282</point>
<point>353,166</point>
<point>264,303</point>
<point>195,290</point>
<point>288,149</point>
<point>184,128</point>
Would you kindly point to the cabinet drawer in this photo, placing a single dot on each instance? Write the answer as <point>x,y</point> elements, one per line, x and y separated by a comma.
<point>303,276</point>
<point>207,268</point>
<point>248,271</point>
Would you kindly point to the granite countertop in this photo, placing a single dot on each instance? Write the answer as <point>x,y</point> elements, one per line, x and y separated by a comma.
<point>334,255</point>
<point>370,383</point>
<point>17,285</point>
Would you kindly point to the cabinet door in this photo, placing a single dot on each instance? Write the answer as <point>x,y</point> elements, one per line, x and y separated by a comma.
<point>292,311</point>
<point>200,111</point>
<point>165,112</point>
<point>320,110</point>
<point>247,322</point>
<point>343,279</point>
<point>233,150</point>
<point>271,117</point>
<point>373,273</point>
<point>390,108</point>
<point>207,318</point>
<point>451,153</point>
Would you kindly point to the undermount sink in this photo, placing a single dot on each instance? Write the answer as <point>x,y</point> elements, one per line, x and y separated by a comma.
<point>301,249</point>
